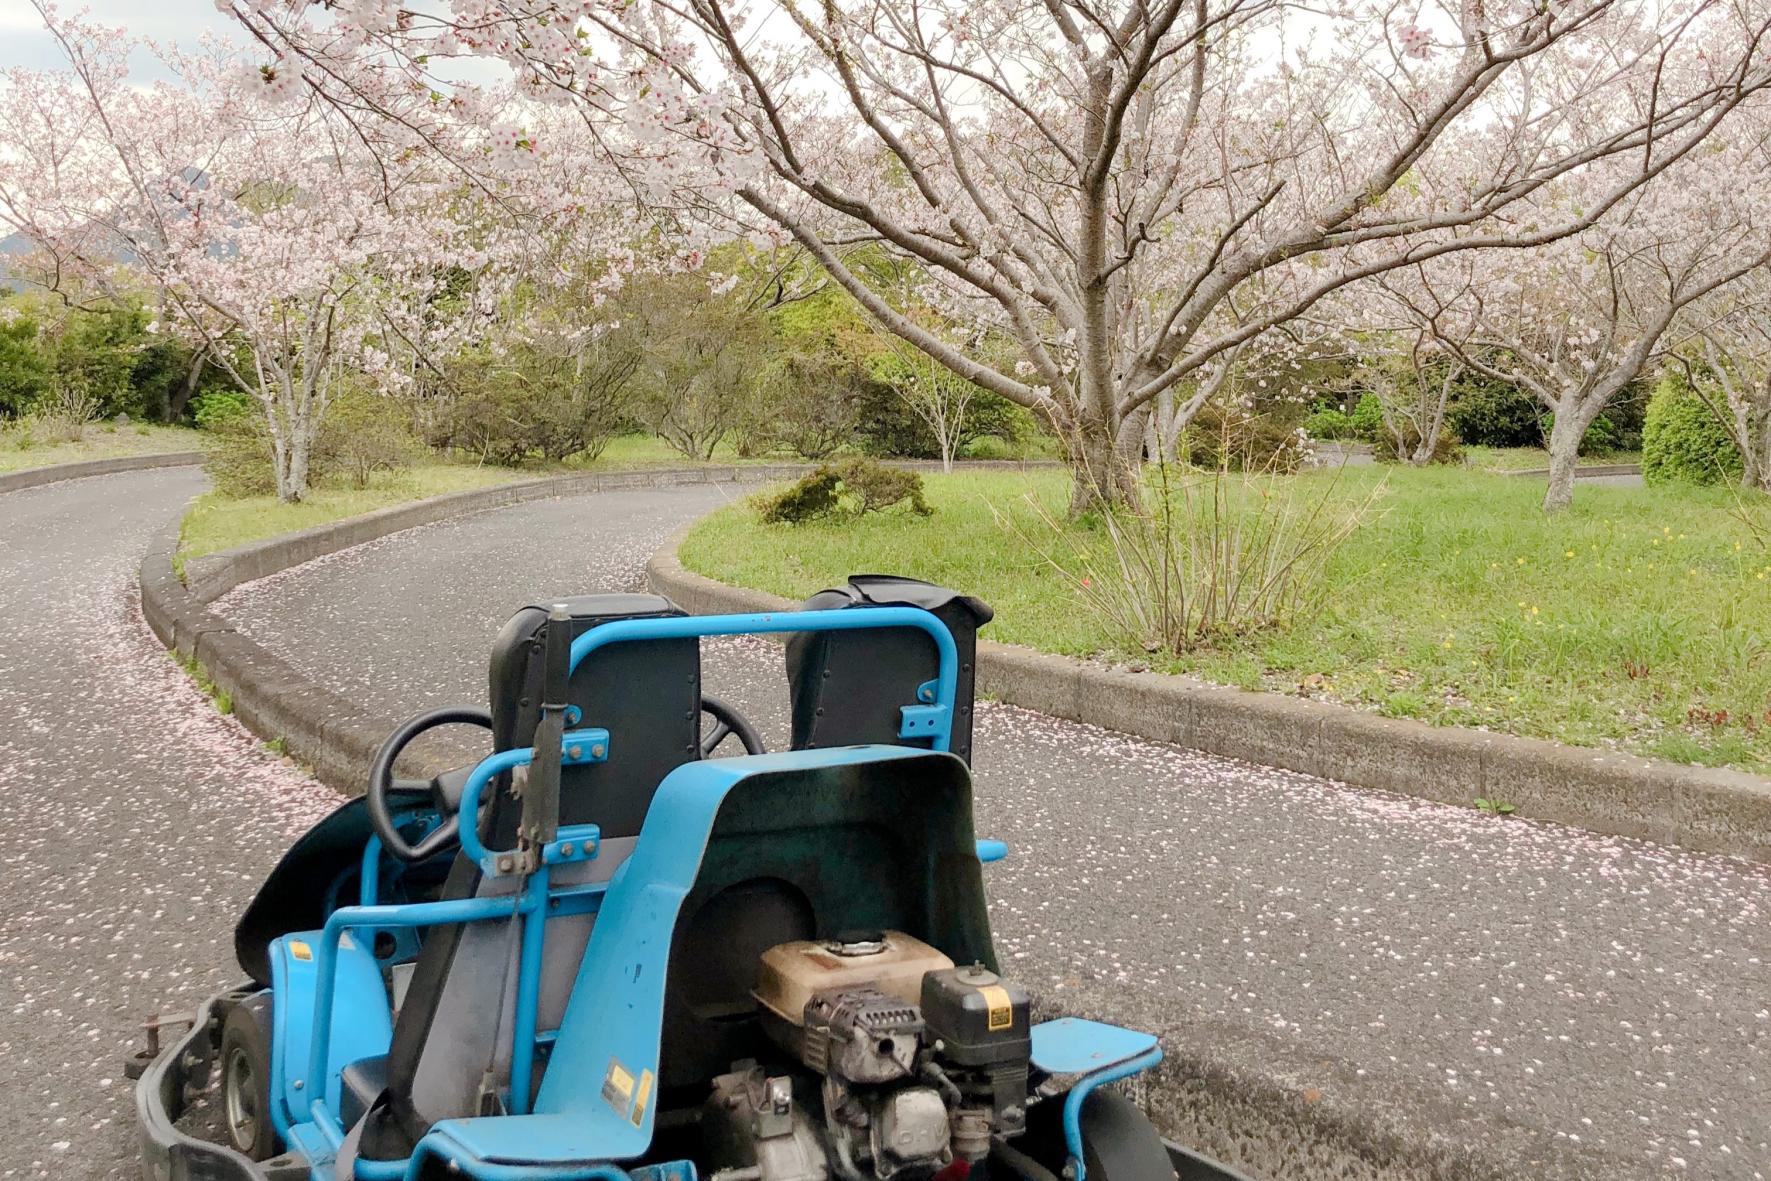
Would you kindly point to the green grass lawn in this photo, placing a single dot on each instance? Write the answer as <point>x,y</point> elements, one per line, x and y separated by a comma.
<point>1524,459</point>
<point>215,522</point>
<point>1639,619</point>
<point>100,441</point>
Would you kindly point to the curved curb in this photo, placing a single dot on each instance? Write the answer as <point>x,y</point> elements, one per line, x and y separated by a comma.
<point>56,472</point>
<point>1701,808</point>
<point>1598,471</point>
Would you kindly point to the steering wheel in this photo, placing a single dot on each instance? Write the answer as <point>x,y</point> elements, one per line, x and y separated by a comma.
<point>445,790</point>
<point>727,721</point>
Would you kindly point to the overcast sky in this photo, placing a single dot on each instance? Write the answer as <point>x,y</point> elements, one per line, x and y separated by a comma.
<point>24,43</point>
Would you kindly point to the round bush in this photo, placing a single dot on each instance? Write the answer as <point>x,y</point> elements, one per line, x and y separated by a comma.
<point>1487,413</point>
<point>1329,423</point>
<point>1368,418</point>
<point>1682,440</point>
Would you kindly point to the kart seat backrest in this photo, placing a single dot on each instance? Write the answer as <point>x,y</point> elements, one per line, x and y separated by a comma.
<point>455,1022</point>
<point>847,688</point>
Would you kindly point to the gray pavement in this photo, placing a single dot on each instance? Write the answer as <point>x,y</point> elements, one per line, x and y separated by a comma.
<point>1598,1004</point>
<point>1592,1000</point>
<point>135,821</point>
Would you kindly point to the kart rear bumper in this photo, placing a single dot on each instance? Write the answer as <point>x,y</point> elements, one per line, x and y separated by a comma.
<point>165,1089</point>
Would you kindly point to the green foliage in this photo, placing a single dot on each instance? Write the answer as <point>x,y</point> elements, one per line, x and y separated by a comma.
<point>810,405</point>
<point>90,363</point>
<point>550,397</point>
<point>1367,418</point>
<point>364,432</point>
<point>707,361</point>
<point>1494,807</point>
<point>1683,442</point>
<point>1446,448</point>
<point>23,373</point>
<point>1232,438</point>
<point>213,408</point>
<point>1329,423</point>
<point>1489,413</point>
<point>811,496</point>
<point>850,488</point>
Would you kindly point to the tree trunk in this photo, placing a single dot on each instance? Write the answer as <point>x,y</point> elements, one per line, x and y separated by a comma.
<point>1565,436</point>
<point>181,397</point>
<point>1099,476</point>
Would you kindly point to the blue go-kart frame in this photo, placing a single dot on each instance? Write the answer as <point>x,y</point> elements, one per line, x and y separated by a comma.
<point>331,1004</point>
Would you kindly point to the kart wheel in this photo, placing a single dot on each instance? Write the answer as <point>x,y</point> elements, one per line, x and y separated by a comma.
<point>1119,1143</point>
<point>246,1079</point>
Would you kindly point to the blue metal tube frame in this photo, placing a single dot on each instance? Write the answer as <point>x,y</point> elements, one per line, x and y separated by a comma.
<point>482,774</point>
<point>680,627</point>
<point>1073,1100</point>
<point>369,881</point>
<point>522,1048</point>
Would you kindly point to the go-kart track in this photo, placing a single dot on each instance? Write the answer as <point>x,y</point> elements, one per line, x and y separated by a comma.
<point>1407,979</point>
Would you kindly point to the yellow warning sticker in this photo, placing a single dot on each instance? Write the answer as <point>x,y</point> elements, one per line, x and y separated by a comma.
<point>1002,1009</point>
<point>642,1098</point>
<point>618,1088</point>
<point>300,950</point>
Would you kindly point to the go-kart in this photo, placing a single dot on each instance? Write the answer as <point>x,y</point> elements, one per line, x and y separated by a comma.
<point>605,952</point>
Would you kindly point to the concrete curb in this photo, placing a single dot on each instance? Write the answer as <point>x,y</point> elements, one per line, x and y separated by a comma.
<point>57,472</point>
<point>1594,472</point>
<point>1700,808</point>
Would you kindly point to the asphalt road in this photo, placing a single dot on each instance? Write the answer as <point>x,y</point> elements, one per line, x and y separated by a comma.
<point>1484,979</point>
<point>135,821</point>
<point>1584,999</point>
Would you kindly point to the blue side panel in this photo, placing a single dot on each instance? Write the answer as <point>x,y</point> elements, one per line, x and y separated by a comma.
<point>598,1098</point>
<point>362,1026</point>
<point>1072,1045</point>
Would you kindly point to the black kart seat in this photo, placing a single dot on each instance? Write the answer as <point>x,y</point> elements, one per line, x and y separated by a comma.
<point>453,1031</point>
<point>847,687</point>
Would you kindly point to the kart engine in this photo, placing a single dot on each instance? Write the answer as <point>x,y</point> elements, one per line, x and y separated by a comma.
<point>902,1064</point>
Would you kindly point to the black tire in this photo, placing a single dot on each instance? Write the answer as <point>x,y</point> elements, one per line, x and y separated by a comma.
<point>246,1078</point>
<point>1119,1143</point>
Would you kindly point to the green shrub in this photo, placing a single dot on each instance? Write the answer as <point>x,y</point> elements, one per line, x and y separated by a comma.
<point>1682,440</point>
<point>1232,438</point>
<point>1487,413</point>
<point>848,488</point>
<point>811,496</point>
<point>211,408</point>
<point>364,432</point>
<point>1329,423</point>
<point>1367,419</point>
<point>239,456</point>
<point>22,371</point>
<point>1602,437</point>
<point>1446,448</point>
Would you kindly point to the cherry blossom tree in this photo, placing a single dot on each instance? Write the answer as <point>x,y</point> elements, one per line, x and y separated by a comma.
<point>295,251</point>
<point>1124,189</point>
<point>1734,345</point>
<point>1576,321</point>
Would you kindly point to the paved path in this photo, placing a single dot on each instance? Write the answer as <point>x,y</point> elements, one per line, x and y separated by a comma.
<point>1489,979</point>
<point>134,821</point>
